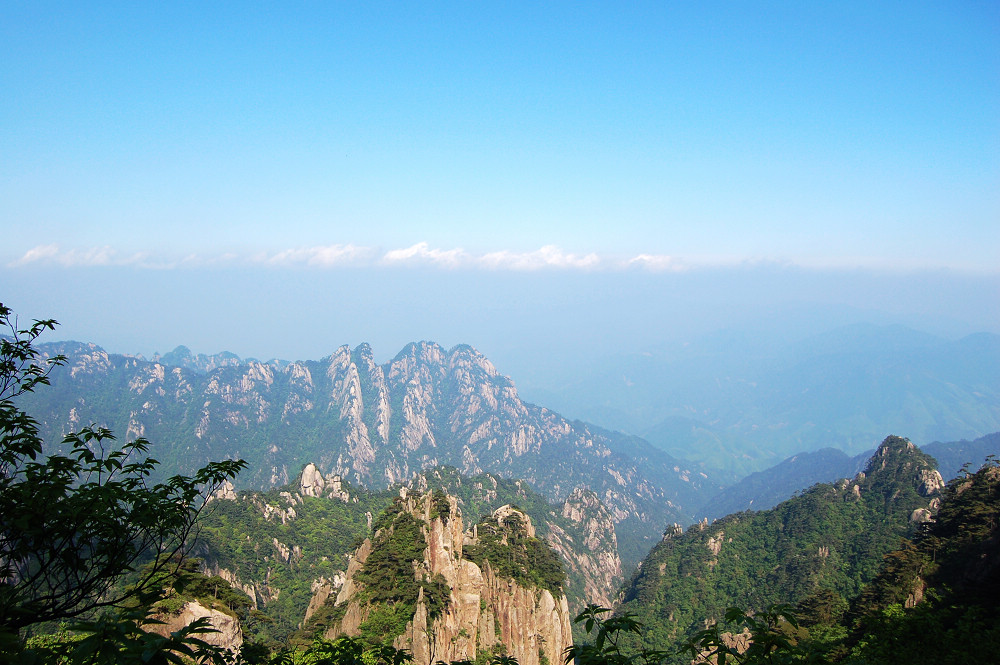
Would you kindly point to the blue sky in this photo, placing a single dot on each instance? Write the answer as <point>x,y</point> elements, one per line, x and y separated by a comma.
<point>175,148</point>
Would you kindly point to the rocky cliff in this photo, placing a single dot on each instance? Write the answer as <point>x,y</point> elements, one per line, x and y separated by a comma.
<point>462,602</point>
<point>581,530</point>
<point>592,556</point>
<point>287,548</point>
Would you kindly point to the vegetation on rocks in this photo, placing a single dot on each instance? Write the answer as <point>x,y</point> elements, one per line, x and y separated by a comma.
<point>831,537</point>
<point>388,583</point>
<point>512,553</point>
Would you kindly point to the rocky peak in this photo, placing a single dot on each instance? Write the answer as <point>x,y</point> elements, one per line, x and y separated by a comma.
<point>416,356</point>
<point>225,491</point>
<point>311,483</point>
<point>364,357</point>
<point>892,449</point>
<point>468,357</point>
<point>673,531</point>
<point>897,463</point>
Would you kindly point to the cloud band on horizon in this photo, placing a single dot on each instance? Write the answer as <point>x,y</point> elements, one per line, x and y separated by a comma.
<point>422,255</point>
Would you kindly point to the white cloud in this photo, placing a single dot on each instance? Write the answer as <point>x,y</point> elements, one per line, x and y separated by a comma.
<point>326,256</point>
<point>422,254</point>
<point>656,263</point>
<point>549,256</point>
<point>72,258</point>
<point>38,254</point>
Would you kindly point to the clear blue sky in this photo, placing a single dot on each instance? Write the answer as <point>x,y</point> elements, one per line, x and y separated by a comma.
<point>320,144</point>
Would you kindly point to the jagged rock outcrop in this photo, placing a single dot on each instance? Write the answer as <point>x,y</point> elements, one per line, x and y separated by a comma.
<point>483,608</point>
<point>313,483</point>
<point>594,559</point>
<point>229,633</point>
<point>225,492</point>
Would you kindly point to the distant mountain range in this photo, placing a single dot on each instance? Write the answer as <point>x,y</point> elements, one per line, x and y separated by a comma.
<point>377,425</point>
<point>374,425</point>
<point>737,402</point>
<point>953,456</point>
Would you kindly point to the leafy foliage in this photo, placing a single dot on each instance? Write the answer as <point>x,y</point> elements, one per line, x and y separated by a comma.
<point>343,651</point>
<point>742,638</point>
<point>75,522</point>
<point>122,638</point>
<point>608,646</point>
<point>748,639</point>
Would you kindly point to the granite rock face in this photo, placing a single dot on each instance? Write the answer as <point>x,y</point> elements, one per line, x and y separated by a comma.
<point>595,559</point>
<point>484,609</point>
<point>229,635</point>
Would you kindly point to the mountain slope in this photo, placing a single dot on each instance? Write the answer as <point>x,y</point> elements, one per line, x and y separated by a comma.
<point>830,537</point>
<point>936,600</point>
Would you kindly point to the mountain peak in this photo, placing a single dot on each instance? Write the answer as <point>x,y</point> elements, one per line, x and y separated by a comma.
<point>896,467</point>
<point>894,450</point>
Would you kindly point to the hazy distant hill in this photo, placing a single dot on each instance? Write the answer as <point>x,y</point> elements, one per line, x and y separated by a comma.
<point>953,455</point>
<point>765,489</point>
<point>743,403</point>
<point>372,424</point>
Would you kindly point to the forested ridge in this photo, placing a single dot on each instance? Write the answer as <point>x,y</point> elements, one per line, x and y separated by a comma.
<point>831,536</point>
